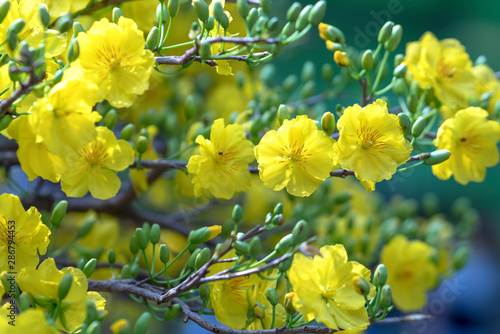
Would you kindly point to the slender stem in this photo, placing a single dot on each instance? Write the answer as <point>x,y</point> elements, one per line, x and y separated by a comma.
<point>380,71</point>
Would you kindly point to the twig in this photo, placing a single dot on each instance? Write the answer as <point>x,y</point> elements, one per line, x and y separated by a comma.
<point>251,2</point>
<point>179,60</point>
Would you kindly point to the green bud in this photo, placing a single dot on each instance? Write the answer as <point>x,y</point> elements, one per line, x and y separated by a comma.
<point>220,16</point>
<point>4,9</point>
<point>284,245</point>
<point>202,258</point>
<point>303,19</point>
<point>110,119</point>
<point>204,290</point>
<point>73,50</point>
<point>252,17</point>
<point>64,22</point>
<point>367,60</point>
<point>272,296</point>
<point>237,213</point>
<point>111,256</point>
<point>25,301</point>
<point>299,232</point>
<point>141,237</point>
<point>117,13</point>
<point>290,83</point>
<point>5,121</point>
<point>399,86</point>
<point>204,51</point>
<point>141,145</point>
<point>278,209</point>
<point>126,273</point>
<point>380,275</point>
<point>327,72</point>
<point>308,71</point>
<point>152,39</point>
<point>44,14</point>
<point>361,285</point>
<point>418,127</point>
<point>288,29</point>
<point>58,212</point>
<point>412,101</point>
<point>317,13</point>
<point>386,297</point>
<point>86,227</point>
<point>398,59</point>
<point>293,12</point>
<point>430,204</point>
<point>17,25</point>
<point>460,257</point>
<point>400,71</point>
<point>308,89</point>
<point>254,247</point>
<point>94,328</point>
<point>173,7</point>
<point>77,28</point>
<point>277,220</point>
<point>199,236</point>
<point>272,26</point>
<point>164,253</point>
<point>328,123</point>
<point>155,234</point>
<point>190,107</point>
<point>409,227</point>
<point>64,286</point>
<point>162,13</point>
<point>393,41</point>
<point>241,247</point>
<point>385,32</point>
<point>336,35</point>
<point>405,123</point>
<point>343,197</point>
<point>437,157</point>
<point>192,259</point>
<point>142,324</point>
<point>266,6</point>
<point>243,8</point>
<point>285,265</point>
<point>210,23</point>
<point>172,312</point>
<point>201,9</point>
<point>195,30</point>
<point>127,131</point>
<point>89,268</point>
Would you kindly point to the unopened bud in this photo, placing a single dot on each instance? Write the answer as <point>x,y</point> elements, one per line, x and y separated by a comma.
<point>4,9</point>
<point>367,60</point>
<point>117,13</point>
<point>290,83</point>
<point>64,286</point>
<point>288,303</point>
<point>265,5</point>
<point>44,14</point>
<point>220,16</point>
<point>201,9</point>
<point>64,22</point>
<point>210,23</point>
<point>86,227</point>
<point>142,239</point>
<point>380,275</point>
<point>460,257</point>
<point>142,324</point>
<point>386,297</point>
<point>399,86</point>
<point>283,113</point>
<point>77,28</point>
<point>418,127</point>
<point>243,8</point>
<point>127,131</point>
<point>272,296</point>
<point>204,291</point>
<point>405,123</point>
<point>202,258</point>
<point>288,29</point>
<point>400,71</point>
<point>25,301</point>
<point>205,51</point>
<point>5,121</point>
<point>284,245</point>
<point>308,71</point>
<point>437,157</point>
<point>237,213</point>
<point>340,58</point>
<point>361,285</point>
<point>110,119</point>
<point>152,38</point>
<point>393,41</point>
<point>58,212</point>
<point>293,12</point>
<point>155,234</point>
<point>162,14</point>
<point>89,268</point>
<point>308,89</point>
<point>172,312</point>
<point>173,7</point>
<point>241,247</point>
<point>303,18</point>
<point>328,123</point>
<point>164,253</point>
<point>252,17</point>
<point>141,145</point>
<point>190,107</point>
<point>385,32</point>
<point>199,236</point>
<point>191,263</point>
<point>259,311</point>
<point>317,13</point>
<point>299,232</point>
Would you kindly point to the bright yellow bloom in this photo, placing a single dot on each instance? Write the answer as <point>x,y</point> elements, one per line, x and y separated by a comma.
<point>298,156</point>
<point>221,169</point>
<point>443,65</point>
<point>26,322</point>
<point>113,57</point>
<point>340,58</point>
<point>411,272</point>
<point>324,290</point>
<point>25,228</point>
<point>472,140</point>
<point>233,299</point>
<point>93,167</point>
<point>371,142</point>
<point>44,282</point>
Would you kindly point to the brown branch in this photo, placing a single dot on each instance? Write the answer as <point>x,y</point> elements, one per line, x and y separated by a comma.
<point>251,2</point>
<point>179,60</point>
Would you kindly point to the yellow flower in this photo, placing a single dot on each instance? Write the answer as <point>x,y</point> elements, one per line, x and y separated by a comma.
<point>25,228</point>
<point>93,167</point>
<point>221,169</point>
<point>26,322</point>
<point>444,66</point>
<point>340,58</point>
<point>233,299</point>
<point>113,57</point>
<point>371,142</point>
<point>471,138</point>
<point>44,282</point>
<point>324,290</point>
<point>298,156</point>
<point>411,272</point>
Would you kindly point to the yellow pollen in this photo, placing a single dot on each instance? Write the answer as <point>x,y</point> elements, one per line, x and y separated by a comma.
<point>94,154</point>
<point>235,290</point>
<point>369,138</point>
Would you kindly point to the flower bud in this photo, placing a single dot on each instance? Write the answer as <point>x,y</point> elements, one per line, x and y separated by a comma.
<point>340,58</point>
<point>190,107</point>
<point>4,9</point>
<point>277,220</point>
<point>265,5</point>
<point>64,22</point>
<point>405,123</point>
<point>393,41</point>
<point>5,121</point>
<point>252,17</point>
<point>44,14</point>
<point>285,265</point>
<point>201,9</point>
<point>86,227</point>
<point>308,89</point>
<point>254,247</point>
<point>199,236</point>
<point>17,25</point>
<point>164,253</point>
<point>283,113</point>
<point>243,8</point>
<point>278,209</point>
<point>142,239</point>
<point>77,28</point>
<point>333,34</point>
<point>58,212</point>
<point>412,101</point>
<point>272,26</point>
<point>204,51</point>
<point>400,70</point>
<point>460,257</point>
<point>288,29</point>
<point>64,286</point>
<point>328,123</point>
<point>303,19</point>
<point>25,301</point>
<point>220,16</point>
<point>110,119</point>
<point>89,268</point>
<point>241,247</point>
<point>293,12</point>
<point>210,23</point>
<point>142,324</point>
<point>117,13</point>
<point>317,13</point>
<point>272,296</point>
<point>385,32</point>
<point>141,145</point>
<point>418,127</point>
<point>386,297</point>
<point>361,285</point>
<point>308,71</point>
<point>111,256</point>
<point>155,234</point>
<point>288,303</point>
<point>172,312</point>
<point>284,245</point>
<point>127,131</point>
<point>237,213</point>
<point>380,275</point>
<point>259,311</point>
<point>192,259</point>
<point>161,13</point>
<point>152,39</point>
<point>204,291</point>
<point>437,157</point>
<point>367,60</point>
<point>173,7</point>
<point>202,258</point>
<point>299,232</point>
<point>399,86</point>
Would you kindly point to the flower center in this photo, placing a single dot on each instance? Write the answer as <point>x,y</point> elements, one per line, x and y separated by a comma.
<point>368,137</point>
<point>235,290</point>
<point>446,70</point>
<point>94,154</point>
<point>114,64</point>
